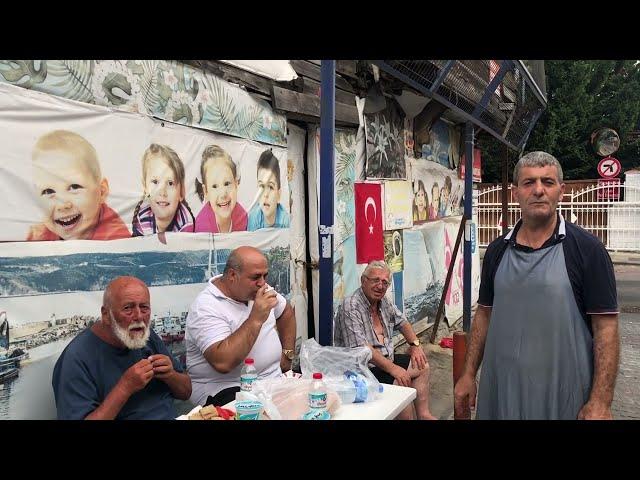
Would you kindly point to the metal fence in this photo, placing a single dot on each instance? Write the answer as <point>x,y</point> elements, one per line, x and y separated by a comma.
<point>612,213</point>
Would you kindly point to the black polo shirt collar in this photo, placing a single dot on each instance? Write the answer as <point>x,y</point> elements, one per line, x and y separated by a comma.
<point>557,236</point>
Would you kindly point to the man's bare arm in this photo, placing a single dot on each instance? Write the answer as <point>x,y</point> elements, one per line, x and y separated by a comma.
<point>475,345</point>
<point>286,327</point>
<point>407,332</point>
<point>606,353</point>
<point>465,390</point>
<point>227,354</point>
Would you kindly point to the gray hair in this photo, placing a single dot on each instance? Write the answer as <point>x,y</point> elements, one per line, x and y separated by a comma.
<point>234,262</point>
<point>536,159</point>
<point>376,264</point>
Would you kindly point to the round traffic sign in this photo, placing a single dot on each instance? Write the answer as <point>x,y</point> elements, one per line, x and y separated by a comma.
<point>609,167</point>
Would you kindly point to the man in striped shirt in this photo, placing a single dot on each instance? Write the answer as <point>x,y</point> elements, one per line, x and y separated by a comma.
<point>368,318</point>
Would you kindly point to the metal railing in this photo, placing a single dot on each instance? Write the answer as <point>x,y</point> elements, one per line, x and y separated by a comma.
<point>612,213</point>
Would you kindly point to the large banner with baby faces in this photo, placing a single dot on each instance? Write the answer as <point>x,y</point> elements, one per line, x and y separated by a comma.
<point>92,194</point>
<point>74,171</point>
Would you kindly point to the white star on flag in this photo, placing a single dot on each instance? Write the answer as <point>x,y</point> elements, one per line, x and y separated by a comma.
<point>370,229</point>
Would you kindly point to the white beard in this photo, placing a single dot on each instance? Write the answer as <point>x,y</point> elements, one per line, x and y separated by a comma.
<point>124,336</point>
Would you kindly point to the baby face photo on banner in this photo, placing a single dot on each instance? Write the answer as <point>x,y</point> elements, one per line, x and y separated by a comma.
<point>437,191</point>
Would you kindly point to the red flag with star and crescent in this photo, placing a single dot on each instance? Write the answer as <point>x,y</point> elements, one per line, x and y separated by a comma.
<point>369,235</point>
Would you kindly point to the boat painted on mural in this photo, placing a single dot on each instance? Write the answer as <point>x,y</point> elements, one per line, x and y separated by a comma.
<point>171,329</point>
<point>10,355</point>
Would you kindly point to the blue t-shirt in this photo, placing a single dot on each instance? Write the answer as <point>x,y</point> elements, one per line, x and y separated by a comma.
<point>89,368</point>
<point>256,218</point>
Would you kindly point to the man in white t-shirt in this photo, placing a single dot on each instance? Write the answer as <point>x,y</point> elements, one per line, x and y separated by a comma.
<point>237,316</point>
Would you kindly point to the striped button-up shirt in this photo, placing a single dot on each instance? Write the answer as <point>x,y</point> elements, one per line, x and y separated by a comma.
<point>353,326</point>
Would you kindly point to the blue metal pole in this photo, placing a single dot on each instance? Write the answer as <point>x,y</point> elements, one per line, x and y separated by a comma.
<point>468,194</point>
<point>325,225</point>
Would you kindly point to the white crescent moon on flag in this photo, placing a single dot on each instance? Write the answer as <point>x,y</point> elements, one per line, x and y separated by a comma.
<point>370,201</point>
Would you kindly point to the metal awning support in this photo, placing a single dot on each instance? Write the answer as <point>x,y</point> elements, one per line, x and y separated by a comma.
<point>443,73</point>
<point>325,224</point>
<point>491,88</point>
<point>529,130</point>
<point>439,98</point>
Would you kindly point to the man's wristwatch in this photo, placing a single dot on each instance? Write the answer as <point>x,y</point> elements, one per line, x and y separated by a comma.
<point>288,353</point>
<point>415,343</point>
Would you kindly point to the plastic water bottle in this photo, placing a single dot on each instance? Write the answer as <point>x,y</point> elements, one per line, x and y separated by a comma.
<point>346,390</point>
<point>365,390</point>
<point>248,375</point>
<point>317,400</point>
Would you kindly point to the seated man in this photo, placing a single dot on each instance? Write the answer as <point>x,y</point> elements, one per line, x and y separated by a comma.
<point>368,318</point>
<point>237,316</point>
<point>119,368</point>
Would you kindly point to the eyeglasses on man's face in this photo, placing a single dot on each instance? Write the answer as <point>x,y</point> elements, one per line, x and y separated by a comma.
<point>378,281</point>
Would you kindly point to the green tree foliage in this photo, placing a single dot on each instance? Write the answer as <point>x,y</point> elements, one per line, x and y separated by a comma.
<point>583,95</point>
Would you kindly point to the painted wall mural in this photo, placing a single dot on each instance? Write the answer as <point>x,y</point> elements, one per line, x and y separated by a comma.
<point>437,191</point>
<point>385,142</point>
<point>393,246</point>
<point>165,89</point>
<point>88,189</point>
<point>397,204</point>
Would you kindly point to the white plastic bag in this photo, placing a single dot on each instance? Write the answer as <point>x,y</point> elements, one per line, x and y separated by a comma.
<point>344,370</point>
<point>287,398</point>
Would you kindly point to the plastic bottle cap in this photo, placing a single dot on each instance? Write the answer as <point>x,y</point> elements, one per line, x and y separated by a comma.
<point>248,361</point>
<point>317,376</point>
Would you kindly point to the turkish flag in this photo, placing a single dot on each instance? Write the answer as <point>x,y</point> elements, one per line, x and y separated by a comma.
<point>368,206</point>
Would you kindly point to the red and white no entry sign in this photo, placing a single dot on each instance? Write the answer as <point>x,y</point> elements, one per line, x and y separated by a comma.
<point>609,167</point>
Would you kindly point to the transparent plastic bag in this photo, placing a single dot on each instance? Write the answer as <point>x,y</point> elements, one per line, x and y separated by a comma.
<point>344,370</point>
<point>287,398</point>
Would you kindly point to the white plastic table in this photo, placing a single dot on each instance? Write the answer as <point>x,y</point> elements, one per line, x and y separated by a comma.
<point>389,404</point>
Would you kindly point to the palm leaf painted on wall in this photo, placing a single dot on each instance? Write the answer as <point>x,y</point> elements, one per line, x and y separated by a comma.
<point>74,78</point>
<point>250,121</point>
<point>345,163</point>
<point>26,73</point>
<point>221,106</point>
<point>115,83</point>
<point>166,89</point>
<point>148,77</point>
<point>182,114</point>
<point>345,175</point>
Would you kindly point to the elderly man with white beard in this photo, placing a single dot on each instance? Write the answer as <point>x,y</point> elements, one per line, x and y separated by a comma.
<point>119,368</point>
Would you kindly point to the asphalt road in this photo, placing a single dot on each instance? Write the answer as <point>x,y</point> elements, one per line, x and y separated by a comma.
<point>626,399</point>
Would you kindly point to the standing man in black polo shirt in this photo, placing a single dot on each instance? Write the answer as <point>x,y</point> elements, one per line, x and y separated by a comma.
<point>546,328</point>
